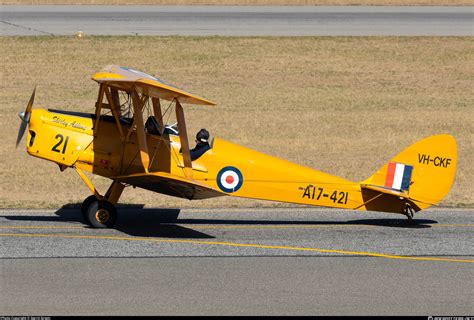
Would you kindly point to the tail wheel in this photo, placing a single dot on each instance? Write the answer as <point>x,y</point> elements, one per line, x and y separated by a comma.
<point>101,214</point>
<point>409,211</point>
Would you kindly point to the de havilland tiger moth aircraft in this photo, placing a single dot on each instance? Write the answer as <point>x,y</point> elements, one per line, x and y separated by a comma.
<point>117,142</point>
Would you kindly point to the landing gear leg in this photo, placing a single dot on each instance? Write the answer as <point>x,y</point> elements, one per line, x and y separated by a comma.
<point>99,211</point>
<point>115,191</point>
<point>409,211</point>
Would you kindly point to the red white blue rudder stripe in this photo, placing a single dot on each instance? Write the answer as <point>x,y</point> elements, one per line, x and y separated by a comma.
<point>229,179</point>
<point>398,176</point>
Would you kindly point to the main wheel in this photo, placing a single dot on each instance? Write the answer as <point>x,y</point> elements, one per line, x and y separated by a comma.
<point>101,214</point>
<point>86,204</point>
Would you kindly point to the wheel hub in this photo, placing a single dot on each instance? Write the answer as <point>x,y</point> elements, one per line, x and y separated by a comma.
<point>102,215</point>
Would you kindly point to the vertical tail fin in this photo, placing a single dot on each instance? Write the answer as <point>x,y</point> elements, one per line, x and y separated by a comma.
<point>424,171</point>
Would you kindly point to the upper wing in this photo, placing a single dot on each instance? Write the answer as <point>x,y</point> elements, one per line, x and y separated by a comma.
<point>127,79</point>
<point>171,185</point>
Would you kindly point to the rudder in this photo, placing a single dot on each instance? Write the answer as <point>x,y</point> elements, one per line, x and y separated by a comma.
<point>424,171</point>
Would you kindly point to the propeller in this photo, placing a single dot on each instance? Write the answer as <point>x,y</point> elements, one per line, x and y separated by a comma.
<point>25,118</point>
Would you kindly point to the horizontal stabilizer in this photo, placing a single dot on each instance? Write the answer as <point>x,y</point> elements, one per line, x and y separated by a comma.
<point>393,192</point>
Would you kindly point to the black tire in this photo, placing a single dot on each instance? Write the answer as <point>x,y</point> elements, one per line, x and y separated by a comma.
<point>101,214</point>
<point>85,205</point>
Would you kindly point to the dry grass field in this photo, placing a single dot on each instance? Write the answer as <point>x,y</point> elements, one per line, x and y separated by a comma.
<point>344,105</point>
<point>249,2</point>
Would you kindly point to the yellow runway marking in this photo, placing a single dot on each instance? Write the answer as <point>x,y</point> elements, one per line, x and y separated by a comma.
<point>246,245</point>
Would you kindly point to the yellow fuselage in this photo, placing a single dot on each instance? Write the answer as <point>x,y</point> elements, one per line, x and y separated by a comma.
<point>68,139</point>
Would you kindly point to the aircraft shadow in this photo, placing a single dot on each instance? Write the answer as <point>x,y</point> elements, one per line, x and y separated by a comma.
<point>138,221</point>
<point>133,220</point>
<point>393,223</point>
<point>160,223</point>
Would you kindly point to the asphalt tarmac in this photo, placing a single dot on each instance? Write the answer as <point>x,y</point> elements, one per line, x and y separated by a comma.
<point>276,261</point>
<point>238,20</point>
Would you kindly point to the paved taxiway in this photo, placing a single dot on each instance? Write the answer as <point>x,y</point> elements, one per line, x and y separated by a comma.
<point>238,261</point>
<point>238,20</point>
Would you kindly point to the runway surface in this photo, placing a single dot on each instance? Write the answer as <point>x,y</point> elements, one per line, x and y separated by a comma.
<point>238,20</point>
<point>295,261</point>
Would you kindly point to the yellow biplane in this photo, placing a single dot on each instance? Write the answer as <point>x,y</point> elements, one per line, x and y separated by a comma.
<point>117,142</point>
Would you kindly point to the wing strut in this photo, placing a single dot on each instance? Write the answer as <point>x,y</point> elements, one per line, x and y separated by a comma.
<point>98,108</point>
<point>183,137</point>
<point>158,114</point>
<point>115,111</point>
<point>138,121</point>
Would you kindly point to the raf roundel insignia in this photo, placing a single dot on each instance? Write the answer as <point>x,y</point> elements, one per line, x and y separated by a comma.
<point>229,179</point>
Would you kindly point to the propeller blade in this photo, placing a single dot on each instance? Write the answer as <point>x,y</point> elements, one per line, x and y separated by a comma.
<point>21,132</point>
<point>25,118</point>
<point>30,104</point>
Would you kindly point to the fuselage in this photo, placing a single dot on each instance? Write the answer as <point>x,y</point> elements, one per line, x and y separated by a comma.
<point>68,139</point>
